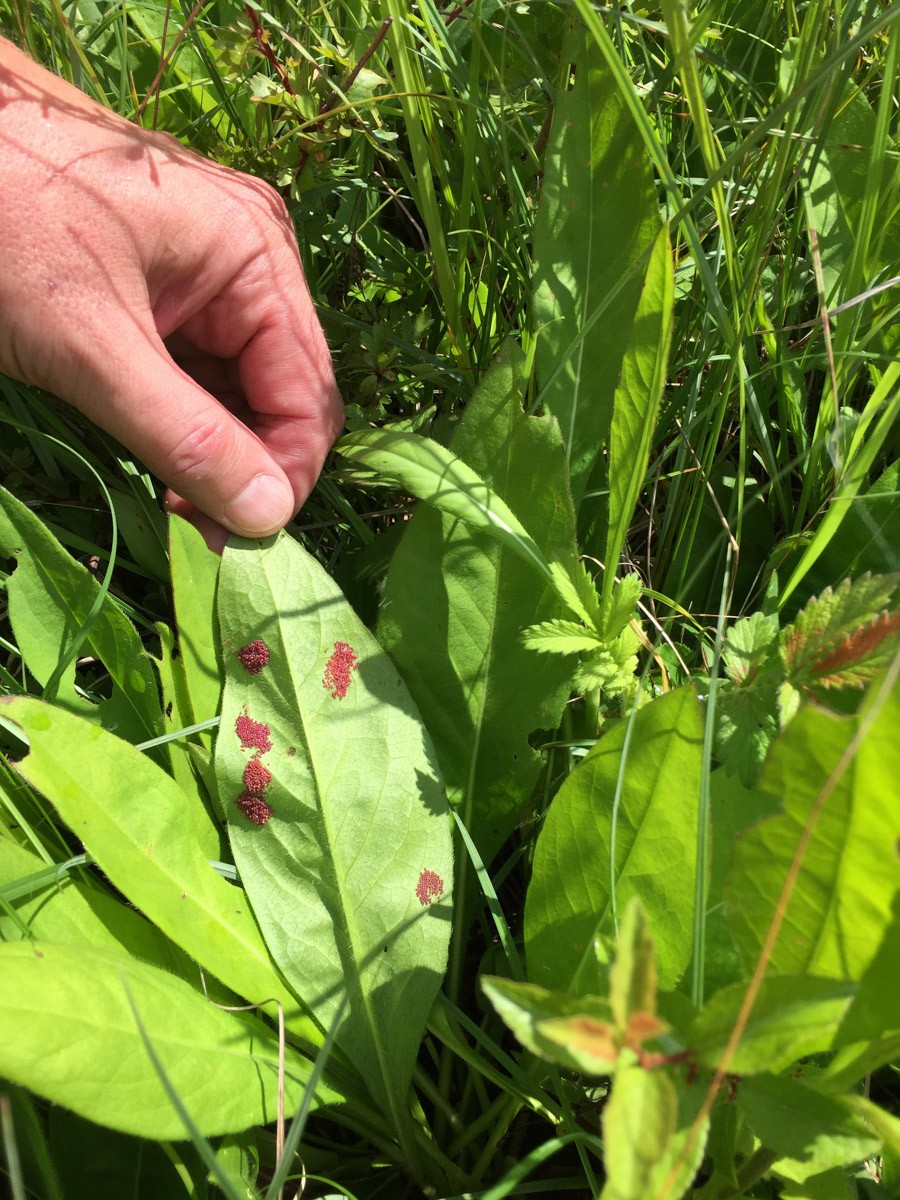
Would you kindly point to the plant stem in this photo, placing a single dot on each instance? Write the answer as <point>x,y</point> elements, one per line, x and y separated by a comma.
<point>756,1166</point>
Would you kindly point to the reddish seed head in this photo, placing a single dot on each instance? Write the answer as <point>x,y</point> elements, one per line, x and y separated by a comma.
<point>254,735</point>
<point>256,777</point>
<point>430,887</point>
<point>254,808</point>
<point>337,670</point>
<point>254,657</point>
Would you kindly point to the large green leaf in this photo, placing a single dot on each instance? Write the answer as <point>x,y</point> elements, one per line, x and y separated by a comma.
<point>350,876</point>
<point>651,1146</point>
<point>874,1011</point>
<point>194,571</point>
<point>637,399</point>
<point>792,1016</point>
<point>813,1130</point>
<point>70,908</point>
<point>134,821</point>
<point>52,603</point>
<point>436,475</point>
<point>68,1032</point>
<point>456,601</point>
<point>569,900</point>
<point>840,902</point>
<point>596,221</point>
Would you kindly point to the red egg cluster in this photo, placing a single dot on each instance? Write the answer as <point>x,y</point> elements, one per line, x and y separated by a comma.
<point>430,887</point>
<point>254,656</point>
<point>254,808</point>
<point>256,776</point>
<point>254,735</point>
<point>338,670</point>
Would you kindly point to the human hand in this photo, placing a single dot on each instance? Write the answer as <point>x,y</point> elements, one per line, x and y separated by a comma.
<point>162,295</point>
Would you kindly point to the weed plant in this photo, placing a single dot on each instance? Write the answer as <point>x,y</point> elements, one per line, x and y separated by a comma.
<point>524,820</point>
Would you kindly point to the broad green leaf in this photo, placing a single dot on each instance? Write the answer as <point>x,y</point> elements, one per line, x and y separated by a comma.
<point>51,602</point>
<point>835,1184</point>
<point>733,808</point>
<point>350,876</point>
<point>837,178</point>
<point>814,1131</point>
<point>637,399</point>
<point>849,1064</point>
<point>436,475</point>
<point>456,600</point>
<point>596,222</point>
<point>194,572</point>
<point>639,1122</point>
<point>578,1033</point>
<point>569,899</point>
<point>874,1012</point>
<point>72,910</point>
<point>130,816</point>
<point>840,904</point>
<point>67,1032</point>
<point>792,1016</point>
<point>685,1151</point>
<point>868,538</point>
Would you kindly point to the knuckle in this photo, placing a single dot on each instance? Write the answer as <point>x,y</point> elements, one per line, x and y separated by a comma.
<point>196,451</point>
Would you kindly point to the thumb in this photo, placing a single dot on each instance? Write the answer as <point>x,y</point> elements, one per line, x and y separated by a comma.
<point>191,441</point>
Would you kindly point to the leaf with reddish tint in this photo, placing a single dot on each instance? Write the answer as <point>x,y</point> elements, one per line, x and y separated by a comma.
<point>843,637</point>
<point>578,1033</point>
<point>337,816</point>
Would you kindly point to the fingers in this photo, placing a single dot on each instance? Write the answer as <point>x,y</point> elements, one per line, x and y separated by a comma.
<point>186,437</point>
<point>264,324</point>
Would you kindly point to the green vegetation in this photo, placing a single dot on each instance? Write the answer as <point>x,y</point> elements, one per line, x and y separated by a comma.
<point>524,820</point>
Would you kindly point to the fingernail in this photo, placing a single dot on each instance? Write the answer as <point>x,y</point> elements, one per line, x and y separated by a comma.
<point>265,505</point>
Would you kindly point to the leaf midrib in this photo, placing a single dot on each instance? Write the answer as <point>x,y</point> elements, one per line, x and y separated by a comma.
<point>349,926</point>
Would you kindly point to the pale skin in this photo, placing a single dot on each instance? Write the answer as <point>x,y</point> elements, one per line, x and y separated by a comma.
<point>162,295</point>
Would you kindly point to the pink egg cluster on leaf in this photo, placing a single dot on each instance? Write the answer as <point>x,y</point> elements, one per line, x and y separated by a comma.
<point>430,887</point>
<point>338,670</point>
<point>254,735</point>
<point>254,656</point>
<point>254,808</point>
<point>256,776</point>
